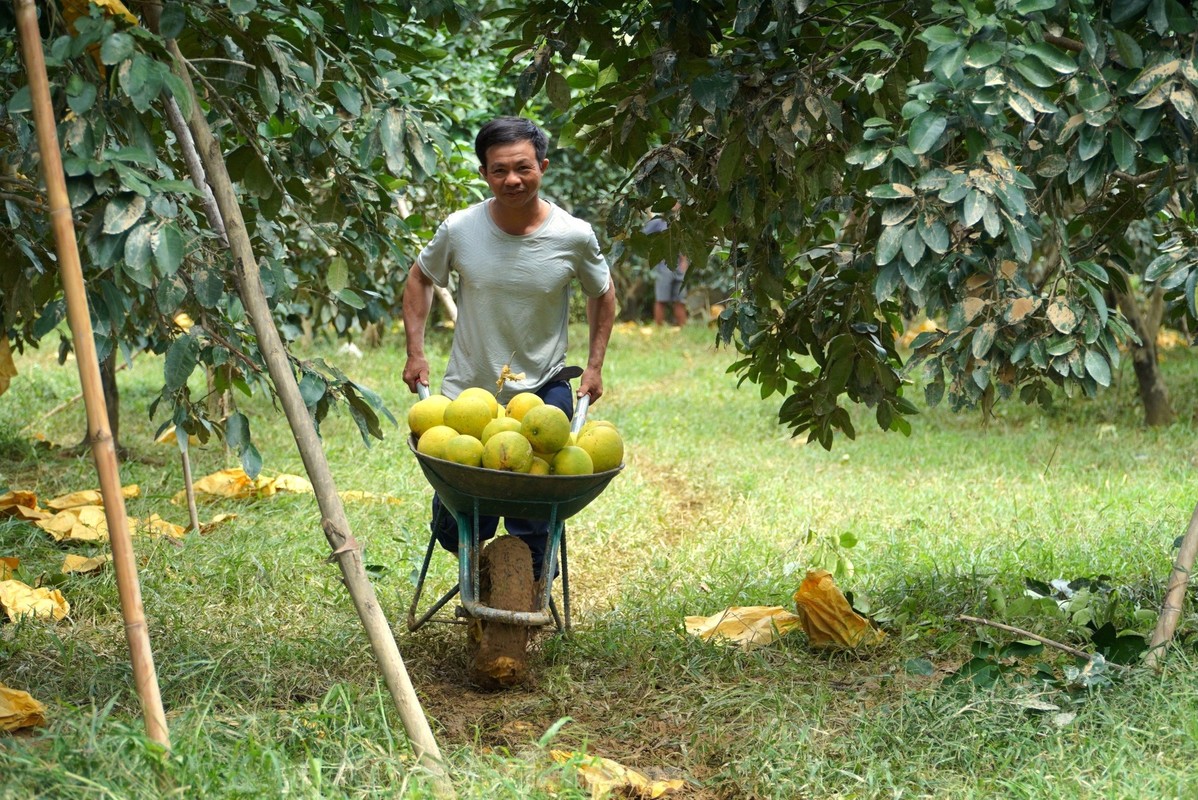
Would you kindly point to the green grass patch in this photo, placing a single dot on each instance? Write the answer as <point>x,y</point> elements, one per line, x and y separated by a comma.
<point>271,689</point>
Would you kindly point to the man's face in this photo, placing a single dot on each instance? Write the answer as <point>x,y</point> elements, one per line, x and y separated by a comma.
<point>513,173</point>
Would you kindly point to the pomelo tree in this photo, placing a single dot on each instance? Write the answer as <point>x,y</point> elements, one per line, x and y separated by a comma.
<point>346,128</point>
<point>861,164</point>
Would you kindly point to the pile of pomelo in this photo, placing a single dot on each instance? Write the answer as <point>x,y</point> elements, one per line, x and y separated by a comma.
<point>526,436</point>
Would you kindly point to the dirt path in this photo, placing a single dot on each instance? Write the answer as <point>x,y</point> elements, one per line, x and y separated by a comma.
<point>513,719</point>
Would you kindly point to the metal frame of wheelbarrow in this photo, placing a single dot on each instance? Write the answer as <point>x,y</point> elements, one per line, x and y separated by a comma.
<point>471,492</point>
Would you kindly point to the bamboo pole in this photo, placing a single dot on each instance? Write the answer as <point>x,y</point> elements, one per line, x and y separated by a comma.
<point>103,448</point>
<point>1175,593</point>
<point>346,550</point>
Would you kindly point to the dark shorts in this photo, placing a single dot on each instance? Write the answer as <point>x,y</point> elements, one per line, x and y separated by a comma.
<point>535,533</point>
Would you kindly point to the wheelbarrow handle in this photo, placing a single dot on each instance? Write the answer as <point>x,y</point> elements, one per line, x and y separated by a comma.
<point>580,413</point>
<point>421,390</point>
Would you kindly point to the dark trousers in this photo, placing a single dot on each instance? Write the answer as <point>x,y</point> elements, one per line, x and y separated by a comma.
<point>534,532</point>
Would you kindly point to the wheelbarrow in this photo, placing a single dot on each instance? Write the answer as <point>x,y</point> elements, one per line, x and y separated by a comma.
<point>473,492</point>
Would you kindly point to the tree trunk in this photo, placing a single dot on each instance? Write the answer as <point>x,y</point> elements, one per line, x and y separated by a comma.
<point>112,397</point>
<point>1154,394</point>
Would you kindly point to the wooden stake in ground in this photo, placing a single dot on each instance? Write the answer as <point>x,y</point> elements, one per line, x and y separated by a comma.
<point>99,433</point>
<point>346,550</point>
<point>1175,594</point>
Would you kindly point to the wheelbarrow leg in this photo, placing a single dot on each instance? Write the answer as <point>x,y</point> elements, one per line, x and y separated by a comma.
<point>413,622</point>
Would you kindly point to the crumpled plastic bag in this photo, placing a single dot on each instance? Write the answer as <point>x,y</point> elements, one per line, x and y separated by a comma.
<point>827,617</point>
<point>602,776</point>
<point>18,599</point>
<point>744,626</point>
<point>19,710</point>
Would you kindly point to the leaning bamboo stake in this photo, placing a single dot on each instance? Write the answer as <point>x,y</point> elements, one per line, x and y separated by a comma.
<point>99,433</point>
<point>346,550</point>
<point>1179,579</point>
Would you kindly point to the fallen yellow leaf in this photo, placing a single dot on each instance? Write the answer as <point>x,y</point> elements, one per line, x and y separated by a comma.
<point>19,600</point>
<point>79,524</point>
<point>22,505</point>
<point>603,776</point>
<point>219,519</point>
<point>234,484</point>
<point>8,565</point>
<point>19,710</point>
<point>83,565</point>
<point>827,617</point>
<point>8,370</point>
<point>357,495</point>
<point>746,626</point>
<point>155,525</point>
<point>88,497</point>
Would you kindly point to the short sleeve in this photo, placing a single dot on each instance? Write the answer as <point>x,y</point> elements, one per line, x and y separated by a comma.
<point>593,273</point>
<point>434,258</point>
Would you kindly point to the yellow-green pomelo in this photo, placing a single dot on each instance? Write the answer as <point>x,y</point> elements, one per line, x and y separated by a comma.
<point>433,442</point>
<point>571,460</point>
<point>508,451</point>
<point>500,412</point>
<point>499,424</point>
<point>519,405</point>
<point>604,446</point>
<point>464,449</point>
<point>468,415</point>
<point>595,423</point>
<point>426,413</point>
<point>539,466</point>
<point>547,428</point>
<point>484,395</point>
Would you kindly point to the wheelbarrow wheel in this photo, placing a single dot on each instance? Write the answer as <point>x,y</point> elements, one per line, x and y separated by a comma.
<point>499,657</point>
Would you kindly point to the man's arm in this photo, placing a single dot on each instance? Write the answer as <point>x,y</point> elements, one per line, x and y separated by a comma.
<point>601,315</point>
<point>417,301</point>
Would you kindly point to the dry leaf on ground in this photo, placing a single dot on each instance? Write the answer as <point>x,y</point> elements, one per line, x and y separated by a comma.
<point>602,775</point>
<point>8,565</point>
<point>88,497</point>
<point>18,600</point>
<point>84,565</point>
<point>357,495</point>
<point>19,710</point>
<point>827,617</point>
<point>234,484</point>
<point>215,522</point>
<point>746,626</point>
<point>22,505</point>
<point>78,524</point>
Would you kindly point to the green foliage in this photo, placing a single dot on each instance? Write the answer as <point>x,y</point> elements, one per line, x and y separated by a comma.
<point>862,164</point>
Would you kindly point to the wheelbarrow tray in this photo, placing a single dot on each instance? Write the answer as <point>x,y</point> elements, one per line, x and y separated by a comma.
<point>469,490</point>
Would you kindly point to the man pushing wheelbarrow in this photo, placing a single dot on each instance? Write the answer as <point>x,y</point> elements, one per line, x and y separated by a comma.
<point>517,257</point>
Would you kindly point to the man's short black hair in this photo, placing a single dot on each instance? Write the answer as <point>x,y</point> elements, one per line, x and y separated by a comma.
<point>505,130</point>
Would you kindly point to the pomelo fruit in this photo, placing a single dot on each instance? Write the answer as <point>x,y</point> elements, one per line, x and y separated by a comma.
<point>464,449</point>
<point>499,424</point>
<point>604,446</point>
<point>546,427</point>
<point>433,441</point>
<point>521,403</point>
<point>468,415</point>
<point>426,413</point>
<point>484,395</point>
<point>539,466</point>
<point>571,460</point>
<point>507,451</point>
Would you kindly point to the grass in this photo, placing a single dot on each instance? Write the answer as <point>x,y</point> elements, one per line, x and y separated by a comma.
<point>271,689</point>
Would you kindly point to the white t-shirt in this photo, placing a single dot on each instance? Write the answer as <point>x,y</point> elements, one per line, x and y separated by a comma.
<point>513,294</point>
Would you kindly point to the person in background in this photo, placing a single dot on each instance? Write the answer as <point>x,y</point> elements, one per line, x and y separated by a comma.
<point>516,256</point>
<point>668,289</point>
